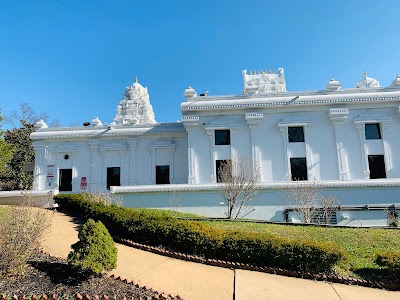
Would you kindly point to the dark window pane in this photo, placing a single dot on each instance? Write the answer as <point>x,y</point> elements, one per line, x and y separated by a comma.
<point>296,134</point>
<point>162,174</point>
<point>113,177</point>
<point>65,180</point>
<point>298,166</point>
<point>219,164</point>
<point>376,166</point>
<point>222,137</point>
<point>372,131</point>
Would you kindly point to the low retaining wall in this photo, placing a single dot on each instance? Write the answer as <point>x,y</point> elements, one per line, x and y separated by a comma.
<point>35,198</point>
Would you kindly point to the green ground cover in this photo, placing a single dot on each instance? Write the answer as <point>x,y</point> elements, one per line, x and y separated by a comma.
<point>362,244</point>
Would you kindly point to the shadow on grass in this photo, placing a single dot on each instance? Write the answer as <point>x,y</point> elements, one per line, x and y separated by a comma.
<point>61,272</point>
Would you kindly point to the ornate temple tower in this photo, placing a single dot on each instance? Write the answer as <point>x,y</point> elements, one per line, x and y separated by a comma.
<point>135,107</point>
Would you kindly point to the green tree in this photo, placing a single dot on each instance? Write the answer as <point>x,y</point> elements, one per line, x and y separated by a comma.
<point>95,251</point>
<point>14,176</point>
<point>6,151</point>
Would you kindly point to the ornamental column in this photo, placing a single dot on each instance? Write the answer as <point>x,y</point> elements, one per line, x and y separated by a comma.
<point>361,132</point>
<point>94,146</point>
<point>386,147</point>
<point>213,178</point>
<point>254,120</point>
<point>191,123</point>
<point>338,116</point>
<point>132,142</point>
<point>39,153</point>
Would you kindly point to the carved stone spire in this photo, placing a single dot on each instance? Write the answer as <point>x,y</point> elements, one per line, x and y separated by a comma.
<point>135,107</point>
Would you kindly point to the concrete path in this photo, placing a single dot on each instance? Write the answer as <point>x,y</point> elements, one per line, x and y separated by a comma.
<point>197,281</point>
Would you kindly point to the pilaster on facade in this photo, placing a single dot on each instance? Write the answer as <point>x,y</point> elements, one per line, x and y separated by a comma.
<point>253,121</point>
<point>210,133</point>
<point>309,155</point>
<point>386,147</point>
<point>39,155</point>
<point>338,117</point>
<point>191,124</point>
<point>132,145</point>
<point>94,146</point>
<point>162,144</point>
<point>384,125</point>
<point>284,132</point>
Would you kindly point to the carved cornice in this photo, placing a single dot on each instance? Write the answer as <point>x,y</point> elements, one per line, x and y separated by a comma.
<point>274,101</point>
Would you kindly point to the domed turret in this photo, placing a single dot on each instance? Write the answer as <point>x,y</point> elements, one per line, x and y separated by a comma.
<point>189,93</point>
<point>367,83</point>
<point>40,124</point>
<point>333,85</point>
<point>96,122</point>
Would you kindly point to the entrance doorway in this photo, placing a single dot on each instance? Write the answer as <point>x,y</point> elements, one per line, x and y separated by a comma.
<point>65,180</point>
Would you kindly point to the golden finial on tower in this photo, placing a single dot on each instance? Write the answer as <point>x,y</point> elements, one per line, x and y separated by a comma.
<point>266,71</point>
<point>259,72</point>
<point>136,80</point>
<point>365,74</point>
<point>270,71</point>
<point>251,72</point>
<point>254,72</point>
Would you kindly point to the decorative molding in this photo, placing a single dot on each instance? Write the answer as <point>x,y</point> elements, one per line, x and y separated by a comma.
<point>264,186</point>
<point>272,100</point>
<point>162,144</point>
<point>385,123</point>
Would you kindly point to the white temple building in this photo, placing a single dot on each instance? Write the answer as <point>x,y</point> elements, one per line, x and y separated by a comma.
<point>347,140</point>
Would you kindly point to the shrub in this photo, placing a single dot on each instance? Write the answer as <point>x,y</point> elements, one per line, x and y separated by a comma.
<point>95,251</point>
<point>21,229</point>
<point>390,260</point>
<point>157,227</point>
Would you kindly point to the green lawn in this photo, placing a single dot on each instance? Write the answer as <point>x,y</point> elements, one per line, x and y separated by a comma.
<point>362,244</point>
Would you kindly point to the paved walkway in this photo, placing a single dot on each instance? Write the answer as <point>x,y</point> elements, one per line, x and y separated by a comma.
<point>197,281</point>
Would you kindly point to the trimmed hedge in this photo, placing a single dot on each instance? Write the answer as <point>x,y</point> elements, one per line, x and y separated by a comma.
<point>390,260</point>
<point>158,227</point>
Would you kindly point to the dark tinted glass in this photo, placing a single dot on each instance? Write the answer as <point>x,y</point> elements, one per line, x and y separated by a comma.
<point>222,137</point>
<point>372,131</point>
<point>376,166</point>
<point>113,177</point>
<point>298,166</point>
<point>162,174</point>
<point>296,134</point>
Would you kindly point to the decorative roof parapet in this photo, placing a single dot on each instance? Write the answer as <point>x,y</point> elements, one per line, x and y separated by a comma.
<point>264,82</point>
<point>367,82</point>
<point>135,107</point>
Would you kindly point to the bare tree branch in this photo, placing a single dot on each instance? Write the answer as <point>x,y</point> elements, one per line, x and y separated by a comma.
<point>238,184</point>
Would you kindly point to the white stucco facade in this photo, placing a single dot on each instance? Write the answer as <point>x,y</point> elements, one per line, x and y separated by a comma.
<point>346,139</point>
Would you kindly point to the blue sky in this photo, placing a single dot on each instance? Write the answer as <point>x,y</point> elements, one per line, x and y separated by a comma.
<point>73,59</point>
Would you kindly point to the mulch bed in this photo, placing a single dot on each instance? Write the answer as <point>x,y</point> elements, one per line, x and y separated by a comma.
<point>46,274</point>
